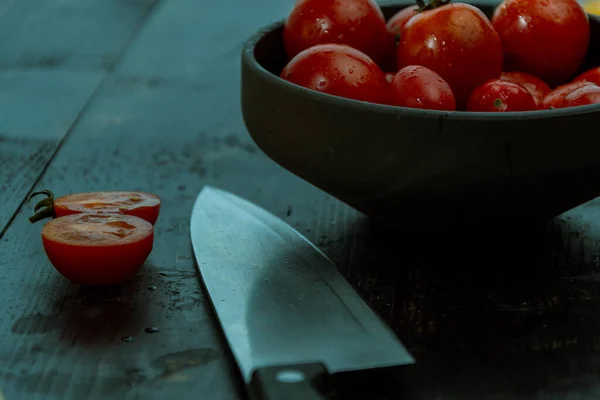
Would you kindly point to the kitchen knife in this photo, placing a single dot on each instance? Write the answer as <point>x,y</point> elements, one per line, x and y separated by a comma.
<point>288,315</point>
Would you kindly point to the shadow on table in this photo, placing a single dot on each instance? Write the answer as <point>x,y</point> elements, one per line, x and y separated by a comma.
<point>105,315</point>
<point>511,311</point>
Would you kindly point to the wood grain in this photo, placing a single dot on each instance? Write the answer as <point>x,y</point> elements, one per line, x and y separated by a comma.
<point>43,104</point>
<point>151,137</point>
<point>488,314</point>
<point>68,34</point>
<point>198,43</point>
<point>21,162</point>
<point>28,141</point>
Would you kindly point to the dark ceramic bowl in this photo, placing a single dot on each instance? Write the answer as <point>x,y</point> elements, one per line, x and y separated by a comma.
<point>419,168</point>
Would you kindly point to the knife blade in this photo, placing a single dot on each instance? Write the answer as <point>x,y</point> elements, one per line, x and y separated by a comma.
<point>289,317</point>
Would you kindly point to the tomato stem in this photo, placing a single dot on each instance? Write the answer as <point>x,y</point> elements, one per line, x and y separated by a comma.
<point>47,202</point>
<point>47,192</point>
<point>430,4</point>
<point>44,208</point>
<point>43,214</point>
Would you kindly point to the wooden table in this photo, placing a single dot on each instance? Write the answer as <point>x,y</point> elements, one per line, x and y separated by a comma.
<point>144,95</point>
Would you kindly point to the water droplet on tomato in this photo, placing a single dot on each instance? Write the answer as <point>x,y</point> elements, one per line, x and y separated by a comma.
<point>322,83</point>
<point>351,71</point>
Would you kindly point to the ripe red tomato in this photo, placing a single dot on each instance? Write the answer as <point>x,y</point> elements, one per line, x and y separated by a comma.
<point>500,96</point>
<point>589,94</point>
<point>357,23</point>
<point>591,75</point>
<point>537,87</point>
<point>546,38</point>
<point>555,98</point>
<point>398,20</point>
<point>458,42</point>
<point>139,204</point>
<point>103,249</point>
<point>419,87</point>
<point>339,70</point>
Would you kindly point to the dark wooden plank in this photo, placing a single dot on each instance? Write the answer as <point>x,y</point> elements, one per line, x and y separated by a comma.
<point>73,34</point>
<point>489,315</point>
<point>32,123</point>
<point>144,132</point>
<point>169,139</point>
<point>43,104</point>
<point>196,42</point>
<point>468,304</point>
<point>21,162</point>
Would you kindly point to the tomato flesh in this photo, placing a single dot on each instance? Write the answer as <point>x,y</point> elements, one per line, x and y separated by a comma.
<point>98,249</point>
<point>338,70</point>
<point>458,42</point>
<point>546,38</point>
<point>139,204</point>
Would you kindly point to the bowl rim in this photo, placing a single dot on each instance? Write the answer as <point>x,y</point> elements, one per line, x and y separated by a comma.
<point>249,59</point>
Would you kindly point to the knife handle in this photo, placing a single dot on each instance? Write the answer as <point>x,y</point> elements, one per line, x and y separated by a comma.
<point>290,382</point>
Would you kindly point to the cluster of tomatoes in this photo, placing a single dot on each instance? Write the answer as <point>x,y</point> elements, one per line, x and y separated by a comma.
<point>98,238</point>
<point>444,56</point>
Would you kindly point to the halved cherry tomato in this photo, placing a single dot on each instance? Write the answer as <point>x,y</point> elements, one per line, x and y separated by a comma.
<point>591,75</point>
<point>96,250</point>
<point>555,98</point>
<point>589,94</point>
<point>419,87</point>
<point>498,95</point>
<point>139,204</point>
<point>537,87</point>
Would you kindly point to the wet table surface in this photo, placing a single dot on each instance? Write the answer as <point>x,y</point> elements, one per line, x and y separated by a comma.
<point>144,95</point>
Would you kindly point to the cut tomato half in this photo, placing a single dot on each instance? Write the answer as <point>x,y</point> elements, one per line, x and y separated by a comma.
<point>139,204</point>
<point>100,249</point>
